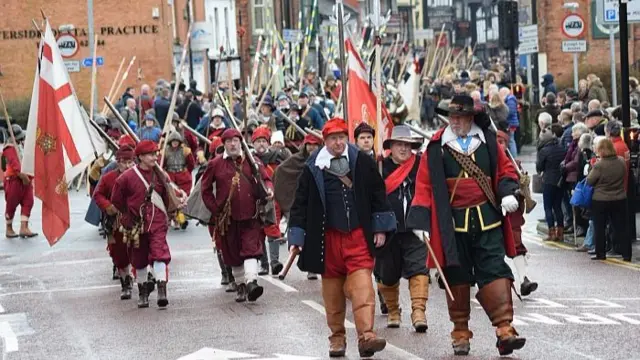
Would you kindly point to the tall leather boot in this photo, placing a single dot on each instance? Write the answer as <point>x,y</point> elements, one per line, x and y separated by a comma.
<point>126,286</point>
<point>459,314</point>
<point>551,234</point>
<point>419,290</point>
<point>223,270</point>
<point>359,289</point>
<point>25,232</point>
<point>9,232</point>
<point>143,296</point>
<point>560,234</point>
<point>162,294</point>
<point>335,305</point>
<point>496,301</point>
<point>391,295</point>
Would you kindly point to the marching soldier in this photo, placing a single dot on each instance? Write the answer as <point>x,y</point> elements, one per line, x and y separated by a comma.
<point>406,255</point>
<point>116,245</point>
<point>18,189</point>
<point>179,164</point>
<point>239,233</point>
<point>467,177</point>
<point>339,218</point>
<point>271,159</point>
<point>142,199</point>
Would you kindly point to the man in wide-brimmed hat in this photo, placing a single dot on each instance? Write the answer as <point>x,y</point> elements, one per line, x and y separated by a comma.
<point>406,254</point>
<point>470,181</point>
<point>339,219</point>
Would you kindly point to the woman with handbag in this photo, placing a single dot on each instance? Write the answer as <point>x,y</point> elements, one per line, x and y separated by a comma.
<point>550,154</point>
<point>609,200</point>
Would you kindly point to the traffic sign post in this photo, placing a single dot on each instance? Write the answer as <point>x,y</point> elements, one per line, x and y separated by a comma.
<point>528,37</point>
<point>573,26</point>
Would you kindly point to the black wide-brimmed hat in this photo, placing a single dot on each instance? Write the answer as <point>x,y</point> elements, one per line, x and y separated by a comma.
<point>460,104</point>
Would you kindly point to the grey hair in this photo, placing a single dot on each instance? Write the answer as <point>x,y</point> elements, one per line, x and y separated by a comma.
<point>580,128</point>
<point>576,107</point>
<point>544,120</point>
<point>585,141</point>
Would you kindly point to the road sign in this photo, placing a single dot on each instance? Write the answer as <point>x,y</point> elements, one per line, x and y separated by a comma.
<point>68,45</point>
<point>202,36</point>
<point>573,25</point>
<point>72,65</point>
<point>528,38</point>
<point>291,35</point>
<point>611,13</point>
<point>88,62</point>
<point>423,34</point>
<point>574,46</point>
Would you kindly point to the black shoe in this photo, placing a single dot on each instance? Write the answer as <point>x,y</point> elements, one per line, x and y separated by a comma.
<point>254,291</point>
<point>591,252</point>
<point>126,286</point>
<point>114,273</point>
<point>383,307</point>
<point>276,269</point>
<point>527,287</point>
<point>184,225</point>
<point>232,287</point>
<point>143,296</point>
<point>241,293</point>
<point>264,269</point>
<point>151,282</point>
<point>568,229</point>
<point>162,294</point>
<point>614,255</point>
<point>597,257</point>
<point>507,346</point>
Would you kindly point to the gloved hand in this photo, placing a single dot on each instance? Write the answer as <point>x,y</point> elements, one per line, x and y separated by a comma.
<point>421,234</point>
<point>509,204</point>
<point>201,158</point>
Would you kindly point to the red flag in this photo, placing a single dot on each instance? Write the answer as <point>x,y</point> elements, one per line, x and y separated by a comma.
<point>362,101</point>
<point>59,143</point>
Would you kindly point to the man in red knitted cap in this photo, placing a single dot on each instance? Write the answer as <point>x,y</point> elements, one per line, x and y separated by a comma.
<point>271,158</point>
<point>142,200</point>
<point>339,219</point>
<point>238,230</point>
<point>116,245</point>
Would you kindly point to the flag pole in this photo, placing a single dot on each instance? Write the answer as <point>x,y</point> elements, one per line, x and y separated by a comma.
<point>6,115</point>
<point>343,67</point>
<point>94,71</point>
<point>378,22</point>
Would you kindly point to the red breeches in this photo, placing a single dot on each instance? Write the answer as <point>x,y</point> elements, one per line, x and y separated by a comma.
<point>16,193</point>
<point>153,244</point>
<point>273,231</point>
<point>345,253</point>
<point>119,251</point>
<point>183,180</point>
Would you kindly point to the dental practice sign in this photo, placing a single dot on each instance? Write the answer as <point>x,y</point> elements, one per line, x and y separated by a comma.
<point>573,26</point>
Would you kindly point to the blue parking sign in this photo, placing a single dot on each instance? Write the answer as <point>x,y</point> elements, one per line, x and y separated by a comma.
<point>610,15</point>
<point>88,62</point>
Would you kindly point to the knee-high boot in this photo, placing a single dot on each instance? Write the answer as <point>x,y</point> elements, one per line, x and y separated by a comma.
<point>359,289</point>
<point>419,290</point>
<point>391,295</point>
<point>335,305</point>
<point>459,314</point>
<point>496,301</point>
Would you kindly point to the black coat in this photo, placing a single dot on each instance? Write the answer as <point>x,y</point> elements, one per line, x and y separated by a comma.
<point>308,216</point>
<point>550,154</point>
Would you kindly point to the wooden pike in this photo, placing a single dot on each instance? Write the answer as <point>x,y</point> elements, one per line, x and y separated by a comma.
<point>435,54</point>
<point>113,85</point>
<point>94,71</point>
<point>435,261</point>
<point>6,116</point>
<point>270,83</point>
<point>124,77</point>
<point>256,62</point>
<point>174,97</point>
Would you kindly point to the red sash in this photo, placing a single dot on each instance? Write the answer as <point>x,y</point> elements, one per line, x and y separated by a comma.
<point>399,174</point>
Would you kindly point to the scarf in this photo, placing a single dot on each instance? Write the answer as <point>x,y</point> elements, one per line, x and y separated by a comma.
<point>393,181</point>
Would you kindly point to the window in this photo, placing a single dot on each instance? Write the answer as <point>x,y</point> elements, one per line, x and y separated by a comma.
<point>260,16</point>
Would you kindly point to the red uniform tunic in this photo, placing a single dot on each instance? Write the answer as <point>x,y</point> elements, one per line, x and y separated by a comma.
<point>102,196</point>
<point>15,192</point>
<point>273,231</point>
<point>128,195</point>
<point>244,238</point>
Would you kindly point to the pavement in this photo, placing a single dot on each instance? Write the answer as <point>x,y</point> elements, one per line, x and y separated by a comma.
<point>60,303</point>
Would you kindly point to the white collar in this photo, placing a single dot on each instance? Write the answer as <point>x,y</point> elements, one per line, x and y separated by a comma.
<point>449,136</point>
<point>323,160</point>
<point>225,155</point>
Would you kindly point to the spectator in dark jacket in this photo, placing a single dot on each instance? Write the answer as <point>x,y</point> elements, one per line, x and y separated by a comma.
<point>161,106</point>
<point>551,107</point>
<point>550,155</point>
<point>190,110</point>
<point>512,119</point>
<point>566,120</point>
<point>548,85</point>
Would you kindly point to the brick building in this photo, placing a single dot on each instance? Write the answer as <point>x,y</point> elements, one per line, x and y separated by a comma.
<point>550,16</point>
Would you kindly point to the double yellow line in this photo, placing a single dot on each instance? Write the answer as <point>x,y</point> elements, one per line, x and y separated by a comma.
<point>616,262</point>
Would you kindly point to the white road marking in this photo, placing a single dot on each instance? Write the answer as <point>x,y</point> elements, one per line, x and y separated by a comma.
<point>571,351</point>
<point>403,354</point>
<point>279,284</point>
<point>9,338</point>
<point>1,309</point>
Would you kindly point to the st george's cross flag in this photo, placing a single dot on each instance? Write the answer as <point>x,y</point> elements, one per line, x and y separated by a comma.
<point>362,101</point>
<point>60,142</point>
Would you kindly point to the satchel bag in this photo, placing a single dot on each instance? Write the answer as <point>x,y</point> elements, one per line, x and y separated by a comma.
<point>536,183</point>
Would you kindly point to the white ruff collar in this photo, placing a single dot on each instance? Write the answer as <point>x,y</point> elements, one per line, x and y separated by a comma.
<point>323,160</point>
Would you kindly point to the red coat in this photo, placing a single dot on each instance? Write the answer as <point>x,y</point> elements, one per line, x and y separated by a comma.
<point>221,171</point>
<point>12,160</point>
<point>102,194</point>
<point>432,193</point>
